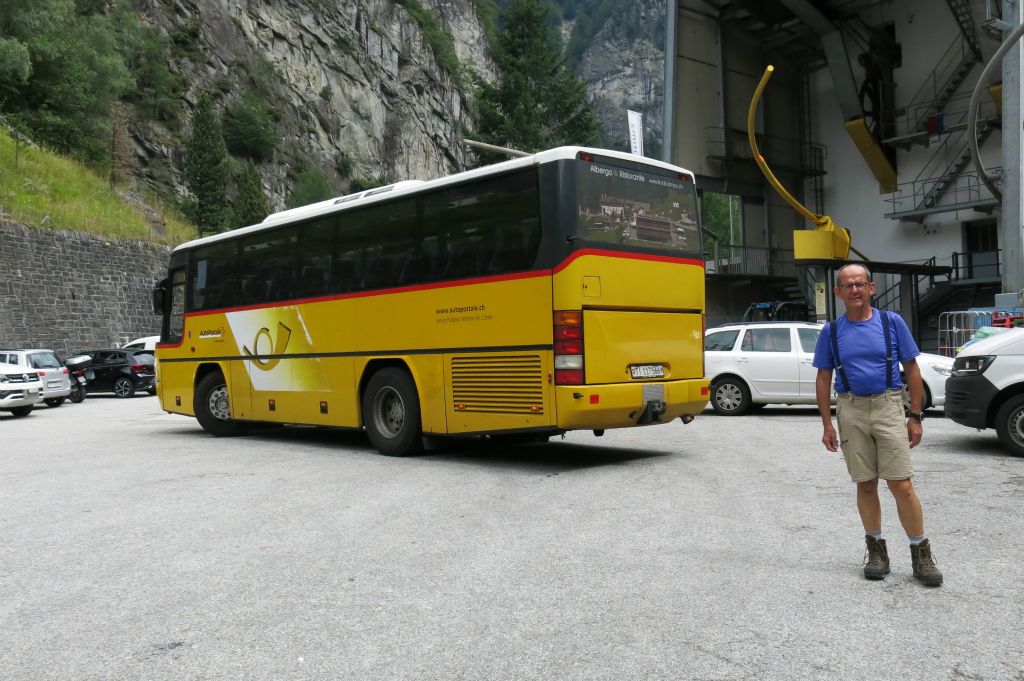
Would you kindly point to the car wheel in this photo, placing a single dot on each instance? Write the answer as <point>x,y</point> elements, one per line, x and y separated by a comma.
<point>906,398</point>
<point>123,387</point>
<point>212,406</point>
<point>22,411</point>
<point>730,396</point>
<point>1010,424</point>
<point>54,401</point>
<point>391,413</point>
<point>151,391</point>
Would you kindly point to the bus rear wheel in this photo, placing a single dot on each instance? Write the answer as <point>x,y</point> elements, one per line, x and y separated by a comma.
<point>212,406</point>
<point>391,413</point>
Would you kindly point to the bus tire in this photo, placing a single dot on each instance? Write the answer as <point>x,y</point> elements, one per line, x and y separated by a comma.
<point>212,406</point>
<point>391,413</point>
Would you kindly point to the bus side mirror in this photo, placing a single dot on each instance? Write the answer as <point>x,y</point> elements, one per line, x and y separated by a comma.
<point>159,296</point>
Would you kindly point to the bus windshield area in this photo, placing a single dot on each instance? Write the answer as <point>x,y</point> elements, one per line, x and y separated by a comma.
<point>635,208</point>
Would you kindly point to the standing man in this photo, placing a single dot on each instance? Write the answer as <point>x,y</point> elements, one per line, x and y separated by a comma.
<point>864,347</point>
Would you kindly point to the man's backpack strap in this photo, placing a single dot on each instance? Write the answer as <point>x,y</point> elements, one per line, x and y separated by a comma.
<point>833,333</point>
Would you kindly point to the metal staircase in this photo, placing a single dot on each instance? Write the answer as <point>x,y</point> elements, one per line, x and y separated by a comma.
<point>926,119</point>
<point>961,10</point>
<point>917,123</point>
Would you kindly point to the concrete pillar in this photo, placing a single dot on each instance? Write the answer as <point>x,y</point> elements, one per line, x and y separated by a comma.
<point>1012,228</point>
<point>908,304</point>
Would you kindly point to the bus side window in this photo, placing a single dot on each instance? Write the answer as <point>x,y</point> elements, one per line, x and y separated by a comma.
<point>415,268</point>
<point>343,275</point>
<point>380,272</point>
<point>463,261</point>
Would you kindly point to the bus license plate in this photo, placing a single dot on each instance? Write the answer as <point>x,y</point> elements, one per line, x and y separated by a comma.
<point>647,371</point>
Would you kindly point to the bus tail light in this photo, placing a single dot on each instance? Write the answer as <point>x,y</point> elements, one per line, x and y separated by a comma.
<point>568,334</point>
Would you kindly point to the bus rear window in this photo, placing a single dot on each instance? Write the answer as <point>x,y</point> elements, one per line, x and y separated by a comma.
<point>635,208</point>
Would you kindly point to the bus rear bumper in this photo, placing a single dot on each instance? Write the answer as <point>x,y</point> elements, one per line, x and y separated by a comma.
<point>622,405</point>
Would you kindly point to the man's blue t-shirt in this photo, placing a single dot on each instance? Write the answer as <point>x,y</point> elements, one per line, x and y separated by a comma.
<point>862,349</point>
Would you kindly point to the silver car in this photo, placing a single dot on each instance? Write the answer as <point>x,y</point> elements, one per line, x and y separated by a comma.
<point>52,374</point>
<point>20,390</point>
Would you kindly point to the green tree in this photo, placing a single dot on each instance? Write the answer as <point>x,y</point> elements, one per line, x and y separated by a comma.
<point>158,90</point>
<point>76,72</point>
<point>537,103</point>
<point>251,206</point>
<point>250,129</point>
<point>721,217</point>
<point>206,167</point>
<point>310,186</point>
<point>15,66</point>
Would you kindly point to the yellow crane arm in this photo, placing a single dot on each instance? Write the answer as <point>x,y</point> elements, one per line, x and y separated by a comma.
<point>769,175</point>
<point>827,240</point>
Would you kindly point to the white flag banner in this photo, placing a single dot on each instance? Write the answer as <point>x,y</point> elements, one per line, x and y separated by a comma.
<point>636,132</point>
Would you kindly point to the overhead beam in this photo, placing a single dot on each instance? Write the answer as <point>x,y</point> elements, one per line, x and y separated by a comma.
<point>835,54</point>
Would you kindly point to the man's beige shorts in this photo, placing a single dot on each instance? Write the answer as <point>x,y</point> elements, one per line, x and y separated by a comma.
<point>873,436</point>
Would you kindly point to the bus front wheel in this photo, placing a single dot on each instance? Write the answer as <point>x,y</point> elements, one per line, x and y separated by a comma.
<point>391,413</point>
<point>213,407</point>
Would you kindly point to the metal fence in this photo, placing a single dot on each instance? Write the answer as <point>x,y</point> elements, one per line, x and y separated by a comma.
<point>956,329</point>
<point>749,260</point>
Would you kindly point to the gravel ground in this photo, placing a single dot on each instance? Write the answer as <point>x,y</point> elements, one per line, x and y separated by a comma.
<point>133,546</point>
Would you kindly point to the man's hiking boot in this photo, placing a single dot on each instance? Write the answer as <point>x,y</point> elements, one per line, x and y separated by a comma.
<point>924,564</point>
<point>876,565</point>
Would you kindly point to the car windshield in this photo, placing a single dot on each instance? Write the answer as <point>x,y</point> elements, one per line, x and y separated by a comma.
<point>143,357</point>
<point>43,360</point>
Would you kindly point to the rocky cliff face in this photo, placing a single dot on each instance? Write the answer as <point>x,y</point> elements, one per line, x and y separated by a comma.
<point>357,79</point>
<point>624,69</point>
<point>352,77</point>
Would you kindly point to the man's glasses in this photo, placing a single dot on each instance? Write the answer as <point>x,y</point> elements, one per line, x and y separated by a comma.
<point>855,285</point>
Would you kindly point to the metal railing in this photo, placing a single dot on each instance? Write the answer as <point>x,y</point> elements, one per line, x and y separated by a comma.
<point>965,188</point>
<point>749,260</point>
<point>806,157</point>
<point>922,123</point>
<point>941,83</point>
<point>969,265</point>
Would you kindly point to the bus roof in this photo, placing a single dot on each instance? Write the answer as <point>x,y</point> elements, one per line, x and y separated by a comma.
<point>371,196</point>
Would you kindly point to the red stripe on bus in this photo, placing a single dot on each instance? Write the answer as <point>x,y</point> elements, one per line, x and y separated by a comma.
<point>627,256</point>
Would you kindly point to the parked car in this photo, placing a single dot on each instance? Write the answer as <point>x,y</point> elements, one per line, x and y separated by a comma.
<point>52,373</point>
<point>753,364</point>
<point>20,389</point>
<point>144,343</point>
<point>122,372</point>
<point>986,389</point>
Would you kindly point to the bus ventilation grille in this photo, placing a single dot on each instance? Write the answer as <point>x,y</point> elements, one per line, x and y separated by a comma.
<point>504,384</point>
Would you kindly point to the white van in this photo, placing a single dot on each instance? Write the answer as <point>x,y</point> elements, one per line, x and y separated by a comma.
<point>986,389</point>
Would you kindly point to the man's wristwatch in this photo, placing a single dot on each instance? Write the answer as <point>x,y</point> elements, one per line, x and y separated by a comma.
<point>919,415</point>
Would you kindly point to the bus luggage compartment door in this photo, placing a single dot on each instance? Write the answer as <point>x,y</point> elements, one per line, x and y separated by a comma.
<point>630,346</point>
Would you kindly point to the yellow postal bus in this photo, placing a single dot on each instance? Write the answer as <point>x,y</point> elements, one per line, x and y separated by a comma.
<point>559,291</point>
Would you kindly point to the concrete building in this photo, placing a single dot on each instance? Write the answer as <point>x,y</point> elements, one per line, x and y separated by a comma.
<point>864,120</point>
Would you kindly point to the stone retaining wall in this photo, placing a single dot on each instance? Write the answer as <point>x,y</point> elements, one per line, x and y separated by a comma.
<point>70,290</point>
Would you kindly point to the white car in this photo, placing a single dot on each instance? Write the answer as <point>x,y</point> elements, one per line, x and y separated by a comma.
<point>753,364</point>
<point>53,375</point>
<point>144,343</point>
<point>20,390</point>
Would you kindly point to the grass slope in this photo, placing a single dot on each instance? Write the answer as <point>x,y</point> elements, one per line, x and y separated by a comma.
<point>47,190</point>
